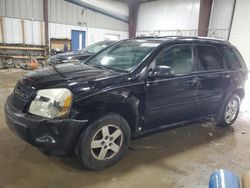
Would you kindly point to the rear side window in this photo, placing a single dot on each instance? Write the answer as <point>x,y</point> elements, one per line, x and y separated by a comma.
<point>231,57</point>
<point>240,58</point>
<point>209,58</point>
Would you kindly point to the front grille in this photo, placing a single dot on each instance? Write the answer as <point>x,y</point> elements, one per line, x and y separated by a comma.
<point>18,102</point>
<point>21,96</point>
<point>54,61</point>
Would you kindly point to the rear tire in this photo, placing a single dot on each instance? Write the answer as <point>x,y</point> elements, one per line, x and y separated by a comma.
<point>229,111</point>
<point>104,142</point>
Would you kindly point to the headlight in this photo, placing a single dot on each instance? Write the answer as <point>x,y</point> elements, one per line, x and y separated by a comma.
<point>51,103</point>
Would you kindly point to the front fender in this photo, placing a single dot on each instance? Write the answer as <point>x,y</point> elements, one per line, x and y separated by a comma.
<point>127,101</point>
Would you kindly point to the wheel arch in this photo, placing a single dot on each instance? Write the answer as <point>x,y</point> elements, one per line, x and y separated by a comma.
<point>240,92</point>
<point>126,110</point>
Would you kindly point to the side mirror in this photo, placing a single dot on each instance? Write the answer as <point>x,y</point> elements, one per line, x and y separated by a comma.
<point>162,72</point>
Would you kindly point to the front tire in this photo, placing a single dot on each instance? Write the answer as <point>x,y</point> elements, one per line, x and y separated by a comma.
<point>104,142</point>
<point>230,110</point>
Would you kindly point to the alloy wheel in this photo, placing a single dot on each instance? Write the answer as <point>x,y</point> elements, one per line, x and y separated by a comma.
<point>231,110</point>
<point>106,142</point>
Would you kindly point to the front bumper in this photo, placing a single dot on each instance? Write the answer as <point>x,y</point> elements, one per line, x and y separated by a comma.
<point>52,136</point>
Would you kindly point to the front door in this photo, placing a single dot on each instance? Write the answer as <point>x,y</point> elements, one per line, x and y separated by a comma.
<point>173,99</point>
<point>78,40</point>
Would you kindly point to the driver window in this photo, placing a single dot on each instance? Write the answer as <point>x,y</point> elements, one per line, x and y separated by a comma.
<point>178,58</point>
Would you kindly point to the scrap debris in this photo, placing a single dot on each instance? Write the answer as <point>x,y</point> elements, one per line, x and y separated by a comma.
<point>243,132</point>
<point>210,134</point>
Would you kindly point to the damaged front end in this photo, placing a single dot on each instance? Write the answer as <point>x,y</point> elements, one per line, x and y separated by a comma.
<point>52,136</point>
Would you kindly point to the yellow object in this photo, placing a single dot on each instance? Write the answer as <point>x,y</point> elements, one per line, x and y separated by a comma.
<point>246,180</point>
<point>66,103</point>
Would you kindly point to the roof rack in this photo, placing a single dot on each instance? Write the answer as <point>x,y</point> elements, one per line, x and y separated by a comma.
<point>181,37</point>
<point>176,37</point>
<point>154,37</point>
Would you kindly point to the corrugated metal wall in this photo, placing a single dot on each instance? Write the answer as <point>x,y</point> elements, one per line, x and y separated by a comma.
<point>67,13</point>
<point>61,12</point>
<point>117,7</point>
<point>97,34</point>
<point>96,20</point>
<point>63,17</point>
<point>93,34</point>
<point>33,31</point>
<point>240,33</point>
<point>220,19</point>
<point>166,15</point>
<point>25,9</point>
<point>13,26</point>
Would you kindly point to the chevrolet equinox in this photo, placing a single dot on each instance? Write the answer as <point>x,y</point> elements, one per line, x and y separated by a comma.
<point>131,88</point>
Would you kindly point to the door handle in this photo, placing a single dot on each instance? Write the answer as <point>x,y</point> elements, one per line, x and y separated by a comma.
<point>193,81</point>
<point>226,76</point>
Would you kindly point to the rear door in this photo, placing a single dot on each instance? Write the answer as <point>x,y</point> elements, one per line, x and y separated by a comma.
<point>214,78</point>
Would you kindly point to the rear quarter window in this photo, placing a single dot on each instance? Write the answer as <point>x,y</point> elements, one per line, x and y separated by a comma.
<point>209,58</point>
<point>232,57</point>
<point>240,58</point>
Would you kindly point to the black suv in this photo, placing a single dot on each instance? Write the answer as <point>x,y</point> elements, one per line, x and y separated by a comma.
<point>131,88</point>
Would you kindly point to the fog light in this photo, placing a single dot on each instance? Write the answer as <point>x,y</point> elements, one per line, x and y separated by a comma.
<point>46,139</point>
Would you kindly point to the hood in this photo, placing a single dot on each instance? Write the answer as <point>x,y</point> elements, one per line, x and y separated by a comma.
<point>71,55</point>
<point>72,77</point>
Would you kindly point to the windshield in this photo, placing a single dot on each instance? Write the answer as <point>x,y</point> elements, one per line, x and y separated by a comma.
<point>96,47</point>
<point>124,56</point>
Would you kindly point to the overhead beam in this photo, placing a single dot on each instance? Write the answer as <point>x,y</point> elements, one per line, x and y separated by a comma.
<point>133,13</point>
<point>204,17</point>
<point>23,31</point>
<point>2,29</point>
<point>46,21</point>
<point>231,22</point>
<point>100,10</point>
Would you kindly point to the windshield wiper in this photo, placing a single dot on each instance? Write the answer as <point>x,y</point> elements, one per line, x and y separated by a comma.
<point>107,68</point>
<point>98,66</point>
<point>119,70</point>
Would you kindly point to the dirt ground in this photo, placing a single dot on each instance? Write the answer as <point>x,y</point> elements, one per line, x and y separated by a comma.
<point>180,157</point>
